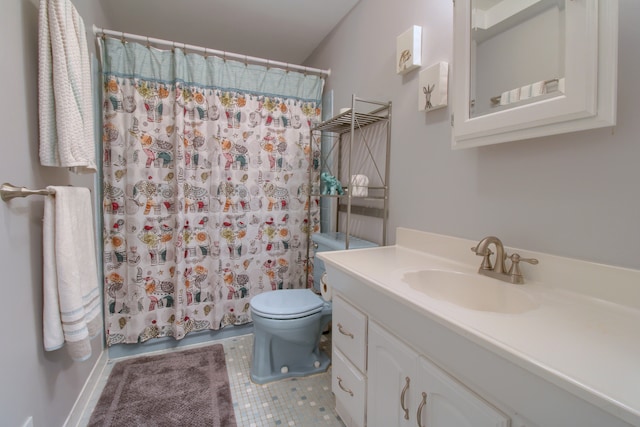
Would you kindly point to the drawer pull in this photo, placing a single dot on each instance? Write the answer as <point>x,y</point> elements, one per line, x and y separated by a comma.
<point>419,415</point>
<point>343,332</point>
<point>346,390</point>
<point>404,391</point>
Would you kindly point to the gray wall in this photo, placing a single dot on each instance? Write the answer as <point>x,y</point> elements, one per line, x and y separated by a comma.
<point>574,195</point>
<point>33,382</point>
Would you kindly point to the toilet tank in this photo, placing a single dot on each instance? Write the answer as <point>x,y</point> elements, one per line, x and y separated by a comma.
<point>333,241</point>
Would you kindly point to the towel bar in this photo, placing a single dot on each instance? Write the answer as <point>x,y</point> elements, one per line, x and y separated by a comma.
<point>10,191</point>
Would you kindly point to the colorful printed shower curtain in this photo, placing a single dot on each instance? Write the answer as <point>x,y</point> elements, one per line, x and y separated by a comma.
<point>206,177</point>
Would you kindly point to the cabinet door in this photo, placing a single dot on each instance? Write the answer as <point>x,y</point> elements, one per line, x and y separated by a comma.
<point>444,402</point>
<point>391,368</point>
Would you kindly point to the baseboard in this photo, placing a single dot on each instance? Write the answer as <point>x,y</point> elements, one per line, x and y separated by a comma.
<point>89,388</point>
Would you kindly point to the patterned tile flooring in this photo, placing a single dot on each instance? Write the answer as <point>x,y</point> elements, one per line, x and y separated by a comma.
<point>305,402</point>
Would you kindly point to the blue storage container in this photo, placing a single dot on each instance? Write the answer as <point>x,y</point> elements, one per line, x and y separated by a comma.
<point>333,241</point>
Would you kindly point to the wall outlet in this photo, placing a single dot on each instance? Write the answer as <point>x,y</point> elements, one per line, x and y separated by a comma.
<point>28,423</point>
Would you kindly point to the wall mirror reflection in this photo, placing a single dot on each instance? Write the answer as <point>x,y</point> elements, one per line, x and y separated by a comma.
<point>517,53</point>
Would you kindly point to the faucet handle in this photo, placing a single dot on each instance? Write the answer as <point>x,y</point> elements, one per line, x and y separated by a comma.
<point>486,261</point>
<point>517,258</point>
<point>515,271</point>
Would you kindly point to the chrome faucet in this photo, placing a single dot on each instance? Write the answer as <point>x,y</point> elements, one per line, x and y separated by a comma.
<point>498,271</point>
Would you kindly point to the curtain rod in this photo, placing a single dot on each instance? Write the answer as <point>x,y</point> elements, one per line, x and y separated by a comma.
<point>243,58</point>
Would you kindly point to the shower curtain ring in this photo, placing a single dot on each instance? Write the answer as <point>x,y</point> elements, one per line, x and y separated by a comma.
<point>122,39</point>
<point>148,43</point>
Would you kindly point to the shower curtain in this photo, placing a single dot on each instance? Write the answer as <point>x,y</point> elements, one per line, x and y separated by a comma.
<point>206,177</point>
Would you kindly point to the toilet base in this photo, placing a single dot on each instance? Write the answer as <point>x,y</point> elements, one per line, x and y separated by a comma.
<point>289,349</point>
<point>323,364</point>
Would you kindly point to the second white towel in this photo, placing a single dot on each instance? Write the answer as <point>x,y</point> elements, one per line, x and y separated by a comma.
<point>71,312</point>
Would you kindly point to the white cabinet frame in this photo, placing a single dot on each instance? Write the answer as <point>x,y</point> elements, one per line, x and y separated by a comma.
<point>589,99</point>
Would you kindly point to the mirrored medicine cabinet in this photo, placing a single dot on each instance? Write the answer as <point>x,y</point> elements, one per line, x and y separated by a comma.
<point>529,68</point>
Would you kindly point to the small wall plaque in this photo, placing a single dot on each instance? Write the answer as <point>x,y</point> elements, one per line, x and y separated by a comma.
<point>432,93</point>
<point>408,50</point>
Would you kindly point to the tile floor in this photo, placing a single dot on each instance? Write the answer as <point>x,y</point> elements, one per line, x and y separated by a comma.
<point>305,402</point>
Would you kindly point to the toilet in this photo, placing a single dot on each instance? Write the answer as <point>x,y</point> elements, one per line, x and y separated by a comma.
<point>287,327</point>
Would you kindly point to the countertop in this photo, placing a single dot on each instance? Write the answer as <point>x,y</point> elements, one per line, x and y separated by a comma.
<point>587,344</point>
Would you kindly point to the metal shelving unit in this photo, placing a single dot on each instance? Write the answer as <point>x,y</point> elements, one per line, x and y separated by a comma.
<point>344,132</point>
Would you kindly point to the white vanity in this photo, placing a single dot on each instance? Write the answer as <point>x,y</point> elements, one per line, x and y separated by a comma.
<point>416,344</point>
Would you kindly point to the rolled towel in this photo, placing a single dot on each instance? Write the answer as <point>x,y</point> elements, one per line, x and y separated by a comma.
<point>504,98</point>
<point>359,185</point>
<point>537,88</point>
<point>525,92</point>
<point>514,95</point>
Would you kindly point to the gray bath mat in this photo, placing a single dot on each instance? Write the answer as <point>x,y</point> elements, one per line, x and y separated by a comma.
<point>185,388</point>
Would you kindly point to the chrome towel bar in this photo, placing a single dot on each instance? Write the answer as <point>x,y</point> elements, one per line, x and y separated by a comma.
<point>10,191</point>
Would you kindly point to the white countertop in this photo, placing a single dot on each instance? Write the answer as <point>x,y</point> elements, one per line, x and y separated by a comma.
<point>588,345</point>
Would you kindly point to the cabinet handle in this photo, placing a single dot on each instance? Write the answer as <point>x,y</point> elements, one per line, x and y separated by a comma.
<point>404,391</point>
<point>419,415</point>
<point>346,390</point>
<point>343,332</point>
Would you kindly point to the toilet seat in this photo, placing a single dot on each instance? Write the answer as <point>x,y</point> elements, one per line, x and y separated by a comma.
<point>286,304</point>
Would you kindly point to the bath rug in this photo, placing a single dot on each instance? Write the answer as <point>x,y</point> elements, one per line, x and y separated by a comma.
<point>184,388</point>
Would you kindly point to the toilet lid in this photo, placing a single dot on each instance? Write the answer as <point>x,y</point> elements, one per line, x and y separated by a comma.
<point>286,304</point>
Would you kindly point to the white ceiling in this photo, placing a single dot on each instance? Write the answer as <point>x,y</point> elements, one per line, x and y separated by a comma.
<point>280,30</point>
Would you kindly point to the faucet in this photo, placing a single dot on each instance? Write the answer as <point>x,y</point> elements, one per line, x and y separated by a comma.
<point>498,271</point>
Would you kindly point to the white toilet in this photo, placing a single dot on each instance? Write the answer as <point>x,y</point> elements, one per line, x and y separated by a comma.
<point>288,325</point>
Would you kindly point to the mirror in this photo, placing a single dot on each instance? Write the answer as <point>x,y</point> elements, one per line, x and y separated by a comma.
<point>517,53</point>
<point>528,68</point>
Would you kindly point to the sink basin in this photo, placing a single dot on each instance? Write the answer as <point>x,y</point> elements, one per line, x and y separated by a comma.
<point>470,291</point>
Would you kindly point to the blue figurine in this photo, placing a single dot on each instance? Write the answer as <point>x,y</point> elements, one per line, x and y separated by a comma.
<point>331,184</point>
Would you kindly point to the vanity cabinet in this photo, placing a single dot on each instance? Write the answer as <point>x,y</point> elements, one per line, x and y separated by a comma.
<point>407,389</point>
<point>377,374</point>
<point>548,367</point>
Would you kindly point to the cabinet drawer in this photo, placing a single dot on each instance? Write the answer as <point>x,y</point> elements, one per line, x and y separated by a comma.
<point>350,332</point>
<point>349,387</point>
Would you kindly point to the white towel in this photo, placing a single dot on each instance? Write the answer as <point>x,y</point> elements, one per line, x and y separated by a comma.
<point>71,311</point>
<point>538,88</point>
<point>64,92</point>
<point>525,92</point>
<point>504,98</point>
<point>514,95</point>
<point>359,185</point>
